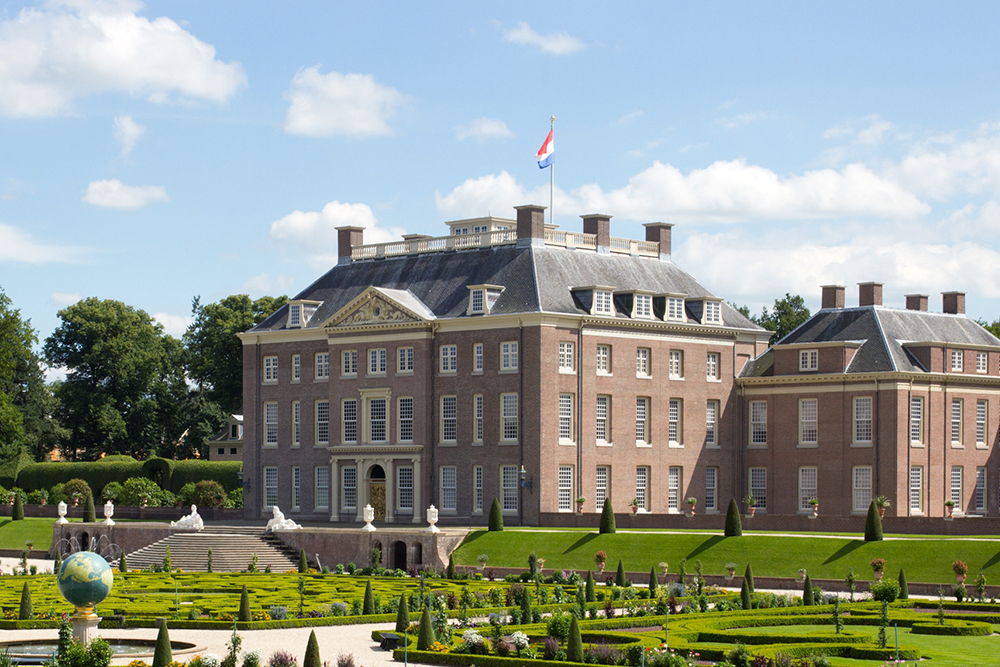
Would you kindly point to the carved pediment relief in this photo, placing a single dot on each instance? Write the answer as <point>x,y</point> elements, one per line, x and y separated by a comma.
<point>372,308</point>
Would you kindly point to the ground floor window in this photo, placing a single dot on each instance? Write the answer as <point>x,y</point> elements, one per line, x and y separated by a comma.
<point>956,486</point>
<point>296,487</point>
<point>270,486</point>
<point>448,488</point>
<point>601,486</point>
<point>322,483</point>
<point>565,488</point>
<point>508,483</point>
<point>404,490</point>
<point>980,490</point>
<point>862,488</point>
<point>673,489</point>
<point>916,489</point>
<point>641,487</point>
<point>711,489</point>
<point>349,485</point>
<point>807,487</point>
<point>758,487</point>
<point>477,474</point>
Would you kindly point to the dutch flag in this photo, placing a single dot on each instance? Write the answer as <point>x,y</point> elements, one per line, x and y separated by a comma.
<point>546,154</point>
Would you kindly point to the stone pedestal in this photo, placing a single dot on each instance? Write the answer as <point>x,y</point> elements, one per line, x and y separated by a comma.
<point>85,625</point>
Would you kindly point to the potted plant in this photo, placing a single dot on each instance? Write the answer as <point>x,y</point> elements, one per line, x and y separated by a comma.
<point>634,504</point>
<point>881,502</point>
<point>960,568</point>
<point>731,569</point>
<point>750,501</point>
<point>949,506</point>
<point>802,574</point>
<point>579,504</point>
<point>482,558</point>
<point>600,558</point>
<point>691,502</point>
<point>878,567</point>
<point>664,566</point>
<point>814,504</point>
<point>540,564</point>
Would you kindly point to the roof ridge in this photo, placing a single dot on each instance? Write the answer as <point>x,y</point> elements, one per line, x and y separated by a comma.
<point>882,339</point>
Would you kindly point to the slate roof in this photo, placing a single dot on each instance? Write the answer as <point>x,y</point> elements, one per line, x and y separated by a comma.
<point>535,279</point>
<point>882,333</point>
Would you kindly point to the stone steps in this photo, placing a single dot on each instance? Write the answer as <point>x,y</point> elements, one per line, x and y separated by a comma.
<point>232,551</point>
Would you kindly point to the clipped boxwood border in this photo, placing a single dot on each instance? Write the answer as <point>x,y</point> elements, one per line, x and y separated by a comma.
<point>953,628</point>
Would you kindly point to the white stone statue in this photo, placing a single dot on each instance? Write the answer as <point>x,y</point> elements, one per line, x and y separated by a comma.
<point>192,520</point>
<point>279,522</point>
<point>368,514</point>
<point>432,519</point>
<point>109,511</point>
<point>61,508</point>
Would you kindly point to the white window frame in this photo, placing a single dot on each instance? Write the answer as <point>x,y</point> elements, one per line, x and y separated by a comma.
<point>449,358</point>
<point>566,422</point>
<point>477,489</point>
<point>477,301</point>
<point>270,486</point>
<point>270,369</point>
<point>603,302</point>
<point>477,358</point>
<point>957,358</point>
<point>321,484</point>
<point>602,483</point>
<point>676,365</point>
<point>322,425</point>
<point>712,408</point>
<point>603,356</point>
<point>509,426</point>
<point>378,419</point>
<point>404,418</point>
<point>808,360</point>
<point>270,424</point>
<point>296,423</point>
<point>449,419</point>
<point>349,363</point>
<point>377,361</point>
<point>916,486</point>
<point>712,366</point>
<point>349,486</point>
<point>642,421</point>
<point>642,487</point>
<point>982,416</point>
<point>296,488</point>
<point>675,308</point>
<point>861,486</point>
<point>675,422</point>
<point>757,476</point>
<point>956,492</point>
<point>711,489</point>
<point>404,360</point>
<point>713,313</point>
<point>982,362</point>
<point>565,488</point>
<point>643,368</point>
<point>449,488</point>
<point>642,306</point>
<point>567,363</point>
<point>917,420</point>
<point>808,421</point>
<point>322,366</point>
<point>675,477</point>
<point>508,355</point>
<point>956,415</point>
<point>758,423</point>
<point>602,419</point>
<point>478,413</point>
<point>295,316</point>
<point>404,488</point>
<point>863,420</point>
<point>979,493</point>
<point>808,487</point>
<point>349,420</point>
<point>508,488</point>
<point>296,367</point>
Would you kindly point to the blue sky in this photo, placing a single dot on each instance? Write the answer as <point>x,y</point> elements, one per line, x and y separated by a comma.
<point>149,153</point>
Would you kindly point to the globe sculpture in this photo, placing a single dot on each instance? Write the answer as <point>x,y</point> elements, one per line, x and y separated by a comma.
<point>85,579</point>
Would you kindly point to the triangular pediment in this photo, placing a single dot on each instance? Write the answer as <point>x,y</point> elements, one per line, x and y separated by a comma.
<point>381,306</point>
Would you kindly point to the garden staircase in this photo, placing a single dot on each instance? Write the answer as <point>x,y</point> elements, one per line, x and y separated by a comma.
<point>232,551</point>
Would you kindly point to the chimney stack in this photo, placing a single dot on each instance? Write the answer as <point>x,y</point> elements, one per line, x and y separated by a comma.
<point>869,294</point>
<point>833,296</point>
<point>659,232</point>
<point>599,224</point>
<point>530,225</point>
<point>953,303</point>
<point>348,237</point>
<point>916,302</point>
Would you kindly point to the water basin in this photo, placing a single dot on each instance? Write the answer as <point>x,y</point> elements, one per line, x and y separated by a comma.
<point>121,648</point>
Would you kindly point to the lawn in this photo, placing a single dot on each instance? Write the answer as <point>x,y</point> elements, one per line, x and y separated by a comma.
<point>925,559</point>
<point>13,534</point>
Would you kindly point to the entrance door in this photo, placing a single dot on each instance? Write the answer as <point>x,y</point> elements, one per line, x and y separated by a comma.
<point>376,494</point>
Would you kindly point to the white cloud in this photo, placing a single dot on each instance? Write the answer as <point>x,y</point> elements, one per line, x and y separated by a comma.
<point>127,132</point>
<point>265,284</point>
<point>558,43</point>
<point>723,191</point>
<point>51,56</point>
<point>943,167</point>
<point>175,325</point>
<point>483,129</point>
<point>19,246</point>
<point>314,234</point>
<point>55,373</point>
<point>63,299</point>
<point>327,105</point>
<point>628,118</point>
<point>115,194</point>
<point>743,119</point>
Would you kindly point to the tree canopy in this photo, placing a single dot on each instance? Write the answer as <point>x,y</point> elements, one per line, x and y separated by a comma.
<point>782,319</point>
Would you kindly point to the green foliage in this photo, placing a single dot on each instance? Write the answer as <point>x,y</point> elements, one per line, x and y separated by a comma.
<point>208,567</point>
<point>95,476</point>
<point>574,643</point>
<point>734,528</point>
<point>620,574</point>
<point>426,636</point>
<point>885,590</point>
<point>162,655</point>
<point>226,473</point>
<point>135,489</point>
<point>17,513</point>
<point>748,575</point>
<point>786,314</point>
<point>244,613</point>
<point>311,658</point>
<point>76,490</point>
<point>807,592</point>
<point>303,562</point>
<point>24,612</point>
<point>607,518</point>
<point>953,628</point>
<point>450,574</point>
<point>123,563</point>
<point>496,516</point>
<point>402,614</point>
<point>904,591</point>
<point>57,563</point>
<point>745,601</point>
<point>873,524</point>
<point>654,581</point>
<point>208,493</point>
<point>167,564</point>
<point>369,604</point>
<point>591,594</point>
<point>89,514</point>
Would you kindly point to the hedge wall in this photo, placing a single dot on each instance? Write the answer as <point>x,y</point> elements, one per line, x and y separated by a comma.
<point>225,473</point>
<point>97,475</point>
<point>953,628</point>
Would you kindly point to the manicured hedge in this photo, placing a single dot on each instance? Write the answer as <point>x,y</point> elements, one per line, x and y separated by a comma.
<point>225,473</point>
<point>48,474</point>
<point>953,628</point>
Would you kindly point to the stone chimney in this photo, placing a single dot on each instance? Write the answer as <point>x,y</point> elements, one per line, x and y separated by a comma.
<point>530,225</point>
<point>916,302</point>
<point>347,238</point>
<point>953,303</point>
<point>599,224</point>
<point>660,233</point>
<point>833,296</point>
<point>869,294</point>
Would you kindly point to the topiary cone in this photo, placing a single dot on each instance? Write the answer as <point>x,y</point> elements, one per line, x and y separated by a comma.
<point>162,655</point>
<point>244,614</point>
<point>591,595</point>
<point>451,568</point>
<point>904,592</point>
<point>89,515</point>
<point>303,562</point>
<point>574,644</point>
<point>426,636</point>
<point>17,514</point>
<point>807,592</point>
<point>748,575</point>
<point>496,516</point>
<point>123,563</point>
<point>403,614</point>
<point>369,605</point>
<point>312,652</point>
<point>734,528</point>
<point>745,594</point>
<point>607,518</point>
<point>24,612</point>
<point>873,524</point>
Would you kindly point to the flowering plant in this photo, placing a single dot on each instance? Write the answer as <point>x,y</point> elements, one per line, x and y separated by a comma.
<point>959,567</point>
<point>600,557</point>
<point>878,564</point>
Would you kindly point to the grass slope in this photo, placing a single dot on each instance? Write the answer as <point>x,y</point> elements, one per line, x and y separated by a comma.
<point>925,560</point>
<point>13,534</point>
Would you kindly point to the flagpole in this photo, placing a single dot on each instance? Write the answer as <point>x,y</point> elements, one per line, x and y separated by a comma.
<point>552,174</point>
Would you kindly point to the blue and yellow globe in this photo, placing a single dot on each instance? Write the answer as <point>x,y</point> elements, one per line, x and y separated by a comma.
<point>85,579</point>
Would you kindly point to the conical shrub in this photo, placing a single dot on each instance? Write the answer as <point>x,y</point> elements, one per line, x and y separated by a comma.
<point>402,614</point>
<point>734,528</point>
<point>574,644</point>
<point>17,514</point>
<point>57,563</point>
<point>244,614</point>
<point>24,612</point>
<point>369,605</point>
<point>807,592</point>
<point>89,515</point>
<point>607,518</point>
<point>591,585</point>
<point>208,566</point>
<point>620,574</point>
<point>451,568</point>
<point>123,563</point>
<point>904,591</point>
<point>303,562</point>
<point>496,516</point>
<point>654,581</point>
<point>745,594</point>
<point>162,655</point>
<point>312,652</point>
<point>873,525</point>
<point>426,636</point>
<point>748,575</point>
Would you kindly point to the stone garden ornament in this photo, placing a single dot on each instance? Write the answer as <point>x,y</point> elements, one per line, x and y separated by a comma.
<point>279,522</point>
<point>192,520</point>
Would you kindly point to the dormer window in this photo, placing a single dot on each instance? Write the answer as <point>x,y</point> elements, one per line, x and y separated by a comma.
<point>295,315</point>
<point>234,431</point>
<point>482,298</point>
<point>642,307</point>
<point>457,231</point>
<point>478,299</point>
<point>299,313</point>
<point>675,308</point>
<point>808,360</point>
<point>713,313</point>
<point>603,302</point>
